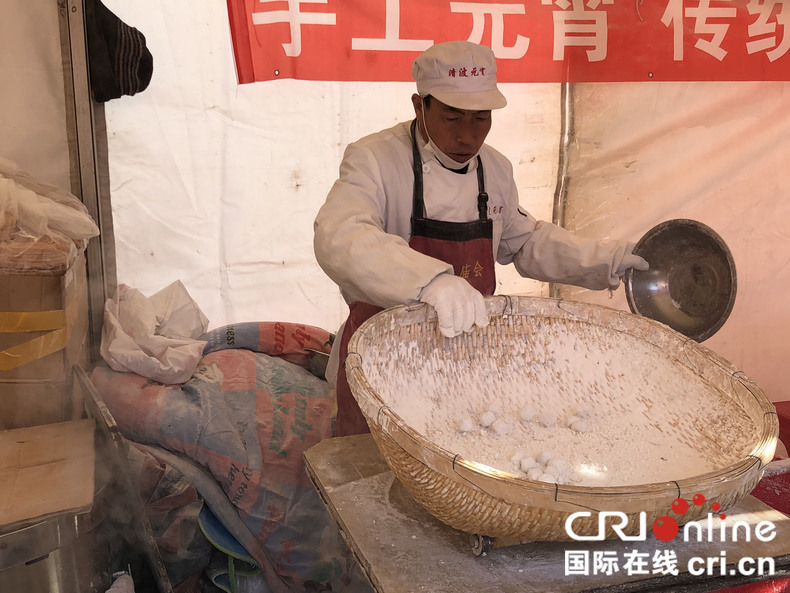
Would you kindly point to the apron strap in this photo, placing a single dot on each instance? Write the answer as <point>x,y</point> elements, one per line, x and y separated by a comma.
<point>482,196</point>
<point>417,204</point>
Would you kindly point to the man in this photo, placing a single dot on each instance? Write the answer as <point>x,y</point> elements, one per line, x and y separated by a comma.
<point>420,212</point>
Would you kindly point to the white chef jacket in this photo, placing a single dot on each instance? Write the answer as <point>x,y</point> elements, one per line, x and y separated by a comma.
<point>362,230</point>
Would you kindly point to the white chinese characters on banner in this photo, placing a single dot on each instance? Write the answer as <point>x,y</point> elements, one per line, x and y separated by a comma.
<point>580,27</point>
<point>295,19</point>
<point>391,40</point>
<point>535,41</point>
<point>707,21</point>
<point>496,12</point>
<point>769,13</point>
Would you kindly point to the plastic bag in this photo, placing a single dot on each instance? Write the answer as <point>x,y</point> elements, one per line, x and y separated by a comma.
<point>43,229</point>
<point>155,337</point>
<point>32,209</point>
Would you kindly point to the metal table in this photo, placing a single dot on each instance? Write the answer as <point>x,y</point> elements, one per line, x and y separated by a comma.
<point>404,549</point>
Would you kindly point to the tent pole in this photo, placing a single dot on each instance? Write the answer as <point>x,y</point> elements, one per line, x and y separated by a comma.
<point>561,188</point>
<point>87,137</point>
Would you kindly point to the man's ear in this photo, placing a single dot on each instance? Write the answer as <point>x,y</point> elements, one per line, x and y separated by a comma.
<point>416,102</point>
<point>419,106</point>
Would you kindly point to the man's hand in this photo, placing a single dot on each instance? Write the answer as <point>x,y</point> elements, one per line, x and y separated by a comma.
<point>458,305</point>
<point>630,260</point>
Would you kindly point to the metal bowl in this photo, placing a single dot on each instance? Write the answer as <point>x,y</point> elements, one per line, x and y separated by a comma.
<point>691,283</point>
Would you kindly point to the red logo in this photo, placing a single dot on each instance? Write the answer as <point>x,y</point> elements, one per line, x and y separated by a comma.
<point>666,528</point>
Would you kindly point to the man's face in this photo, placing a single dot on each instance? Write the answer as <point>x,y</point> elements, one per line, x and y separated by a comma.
<point>459,133</point>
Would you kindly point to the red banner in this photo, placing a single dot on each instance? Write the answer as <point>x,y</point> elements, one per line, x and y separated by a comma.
<point>535,41</point>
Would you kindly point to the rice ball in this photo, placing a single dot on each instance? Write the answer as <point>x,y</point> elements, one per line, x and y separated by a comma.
<point>527,463</point>
<point>500,426</point>
<point>517,457</point>
<point>534,473</point>
<point>527,414</point>
<point>466,425</point>
<point>556,467</point>
<point>579,426</point>
<point>487,419</point>
<point>496,408</point>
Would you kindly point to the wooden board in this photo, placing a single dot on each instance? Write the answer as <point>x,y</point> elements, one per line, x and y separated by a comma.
<point>45,470</point>
<point>404,549</point>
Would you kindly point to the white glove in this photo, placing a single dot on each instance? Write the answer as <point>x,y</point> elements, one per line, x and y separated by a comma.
<point>458,304</point>
<point>629,260</point>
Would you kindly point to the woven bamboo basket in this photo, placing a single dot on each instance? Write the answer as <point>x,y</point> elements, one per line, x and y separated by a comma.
<point>671,418</point>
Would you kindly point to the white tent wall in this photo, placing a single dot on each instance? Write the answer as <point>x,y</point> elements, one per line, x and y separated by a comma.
<point>711,152</point>
<point>217,184</point>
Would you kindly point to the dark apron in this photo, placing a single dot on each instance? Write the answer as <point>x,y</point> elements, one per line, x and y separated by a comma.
<point>467,246</point>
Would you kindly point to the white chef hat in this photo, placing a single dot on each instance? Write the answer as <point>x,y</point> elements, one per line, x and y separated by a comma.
<point>460,74</point>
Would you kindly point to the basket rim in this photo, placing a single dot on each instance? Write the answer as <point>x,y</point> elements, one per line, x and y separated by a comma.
<point>513,487</point>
